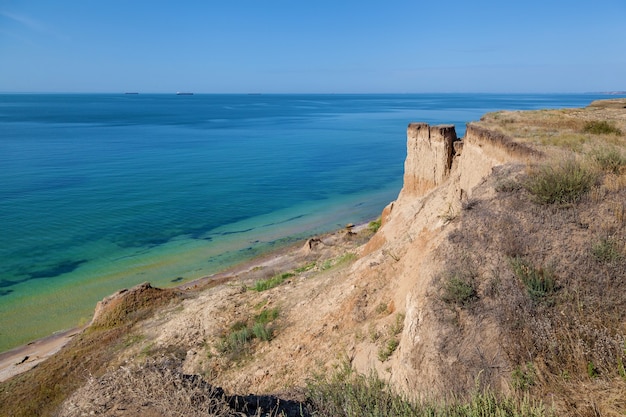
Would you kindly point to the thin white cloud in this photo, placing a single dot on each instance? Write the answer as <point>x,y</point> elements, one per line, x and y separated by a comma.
<point>26,21</point>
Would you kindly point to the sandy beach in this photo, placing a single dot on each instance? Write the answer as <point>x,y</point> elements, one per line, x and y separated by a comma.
<point>23,358</point>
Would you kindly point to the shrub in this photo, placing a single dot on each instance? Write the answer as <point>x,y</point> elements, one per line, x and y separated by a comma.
<point>398,325</point>
<point>539,283</point>
<point>601,127</point>
<point>609,160</point>
<point>507,185</point>
<point>458,290</point>
<point>387,349</point>
<point>523,377</point>
<point>564,183</point>
<point>236,341</point>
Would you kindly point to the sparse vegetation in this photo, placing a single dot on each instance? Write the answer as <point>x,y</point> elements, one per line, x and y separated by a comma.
<point>523,377</point>
<point>304,268</point>
<point>609,159</point>
<point>449,215</point>
<point>601,127</point>
<point>606,250</point>
<point>508,185</point>
<point>459,289</point>
<point>341,260</point>
<point>347,393</point>
<point>564,183</point>
<point>374,225</point>
<point>381,308</point>
<point>539,282</point>
<point>388,348</point>
<point>275,281</point>
<point>392,343</point>
<point>40,391</point>
<point>237,340</point>
<point>160,388</point>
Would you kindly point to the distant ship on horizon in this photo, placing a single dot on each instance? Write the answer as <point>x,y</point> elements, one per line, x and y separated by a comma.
<point>182,93</point>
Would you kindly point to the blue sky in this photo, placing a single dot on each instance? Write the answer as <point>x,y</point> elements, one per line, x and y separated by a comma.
<point>288,46</point>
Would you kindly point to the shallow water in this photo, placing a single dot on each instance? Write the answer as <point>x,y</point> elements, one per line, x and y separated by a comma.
<point>102,192</point>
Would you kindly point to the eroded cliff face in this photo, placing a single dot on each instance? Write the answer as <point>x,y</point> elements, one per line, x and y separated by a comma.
<point>442,173</point>
<point>429,157</point>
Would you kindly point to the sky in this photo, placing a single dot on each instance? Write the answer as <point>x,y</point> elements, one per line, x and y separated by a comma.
<point>305,46</point>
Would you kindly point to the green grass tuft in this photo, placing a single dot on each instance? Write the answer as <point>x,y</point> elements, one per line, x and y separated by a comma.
<point>242,333</point>
<point>305,268</point>
<point>387,349</point>
<point>275,281</point>
<point>267,316</point>
<point>374,225</point>
<point>606,250</point>
<point>539,283</point>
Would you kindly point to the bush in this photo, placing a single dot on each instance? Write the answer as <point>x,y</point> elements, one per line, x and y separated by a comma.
<point>387,349</point>
<point>564,183</point>
<point>601,127</point>
<point>523,377</point>
<point>609,160</point>
<point>459,291</point>
<point>539,283</point>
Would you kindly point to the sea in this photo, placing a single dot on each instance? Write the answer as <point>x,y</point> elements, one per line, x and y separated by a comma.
<point>100,192</point>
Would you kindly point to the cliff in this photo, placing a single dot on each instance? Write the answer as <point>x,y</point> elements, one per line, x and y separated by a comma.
<point>501,265</point>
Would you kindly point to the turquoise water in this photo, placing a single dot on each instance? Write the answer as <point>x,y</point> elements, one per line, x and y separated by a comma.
<point>101,192</point>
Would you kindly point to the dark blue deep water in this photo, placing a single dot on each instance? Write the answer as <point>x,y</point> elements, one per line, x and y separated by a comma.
<point>101,192</point>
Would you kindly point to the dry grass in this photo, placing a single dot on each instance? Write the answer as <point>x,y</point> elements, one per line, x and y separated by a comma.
<point>40,391</point>
<point>347,393</point>
<point>560,303</point>
<point>160,388</point>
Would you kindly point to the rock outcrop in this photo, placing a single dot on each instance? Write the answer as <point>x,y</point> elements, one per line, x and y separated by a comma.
<point>441,174</point>
<point>429,157</point>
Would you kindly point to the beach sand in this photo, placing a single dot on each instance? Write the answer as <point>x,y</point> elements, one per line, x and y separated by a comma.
<point>23,358</point>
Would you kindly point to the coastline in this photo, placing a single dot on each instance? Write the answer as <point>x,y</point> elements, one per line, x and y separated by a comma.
<point>23,358</point>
